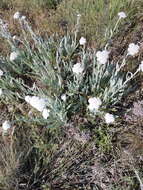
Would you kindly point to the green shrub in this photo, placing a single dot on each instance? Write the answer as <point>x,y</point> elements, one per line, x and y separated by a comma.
<point>63,66</point>
<point>66,78</point>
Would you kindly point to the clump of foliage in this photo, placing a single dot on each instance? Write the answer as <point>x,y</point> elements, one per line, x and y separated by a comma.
<point>63,66</point>
<point>57,79</point>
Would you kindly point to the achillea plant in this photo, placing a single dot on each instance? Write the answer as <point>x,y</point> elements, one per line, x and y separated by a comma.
<point>44,70</point>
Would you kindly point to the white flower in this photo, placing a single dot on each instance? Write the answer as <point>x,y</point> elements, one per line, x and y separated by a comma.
<point>1,92</point>
<point>94,104</point>
<point>1,72</point>
<point>78,15</point>
<point>141,66</point>
<point>6,125</point>
<point>23,17</point>
<point>133,49</point>
<point>14,55</point>
<point>63,97</point>
<point>36,102</point>
<point>14,37</point>
<point>122,15</point>
<point>17,15</point>
<point>45,113</point>
<point>102,56</point>
<point>109,118</point>
<point>28,98</point>
<point>82,41</point>
<point>77,68</point>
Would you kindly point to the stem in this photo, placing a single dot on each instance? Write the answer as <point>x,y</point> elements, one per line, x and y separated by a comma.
<point>138,177</point>
<point>125,83</point>
<point>77,27</point>
<point>122,65</point>
<point>131,77</point>
<point>115,27</point>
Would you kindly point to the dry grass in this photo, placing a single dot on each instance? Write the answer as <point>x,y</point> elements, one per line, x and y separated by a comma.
<point>96,16</point>
<point>9,164</point>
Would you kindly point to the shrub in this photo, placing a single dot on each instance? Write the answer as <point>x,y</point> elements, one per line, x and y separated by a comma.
<point>45,70</point>
<point>60,78</point>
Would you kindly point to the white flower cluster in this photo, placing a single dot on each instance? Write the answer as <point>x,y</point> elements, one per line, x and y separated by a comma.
<point>133,49</point>
<point>23,17</point>
<point>102,56</point>
<point>109,118</point>
<point>45,113</point>
<point>82,41</point>
<point>6,126</point>
<point>14,55</point>
<point>39,104</point>
<point>94,104</point>
<point>78,68</point>
<point>14,37</point>
<point>18,15</point>
<point>122,15</point>
<point>64,97</point>
<point>78,15</point>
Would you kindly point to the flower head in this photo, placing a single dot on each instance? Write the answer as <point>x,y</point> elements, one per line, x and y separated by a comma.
<point>14,37</point>
<point>17,15</point>
<point>94,104</point>
<point>122,15</point>
<point>78,15</point>
<point>36,102</point>
<point>141,66</point>
<point>78,68</point>
<point>14,55</point>
<point>45,113</point>
<point>63,97</point>
<point>23,17</point>
<point>102,56</point>
<point>133,49</point>
<point>27,99</point>
<point>109,118</point>
<point>6,125</point>
<point>82,41</point>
